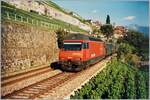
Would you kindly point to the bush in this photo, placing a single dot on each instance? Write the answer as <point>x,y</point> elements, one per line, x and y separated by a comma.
<point>134,59</point>
<point>117,81</point>
<point>135,38</point>
<point>138,41</point>
<point>126,53</point>
<point>124,49</point>
<point>61,34</point>
<point>32,11</point>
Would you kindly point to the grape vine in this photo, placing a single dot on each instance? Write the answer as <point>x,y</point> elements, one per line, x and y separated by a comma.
<point>117,81</point>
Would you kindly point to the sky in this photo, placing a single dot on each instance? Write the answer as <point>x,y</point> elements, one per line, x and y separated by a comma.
<point>121,12</point>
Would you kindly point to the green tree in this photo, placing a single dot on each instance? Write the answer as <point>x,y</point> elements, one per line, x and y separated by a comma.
<point>61,34</point>
<point>138,41</point>
<point>71,13</point>
<point>134,38</point>
<point>126,53</point>
<point>125,48</point>
<point>107,30</point>
<point>108,19</point>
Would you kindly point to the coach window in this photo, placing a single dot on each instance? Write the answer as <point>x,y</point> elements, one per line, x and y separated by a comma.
<point>85,45</point>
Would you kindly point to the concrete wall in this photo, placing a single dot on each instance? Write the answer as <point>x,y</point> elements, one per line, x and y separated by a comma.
<point>25,46</point>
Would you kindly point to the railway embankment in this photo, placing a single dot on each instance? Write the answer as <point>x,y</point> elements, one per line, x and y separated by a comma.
<point>65,90</point>
<point>22,80</point>
<point>53,84</point>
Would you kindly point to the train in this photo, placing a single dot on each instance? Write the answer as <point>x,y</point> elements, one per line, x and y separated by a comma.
<point>79,51</point>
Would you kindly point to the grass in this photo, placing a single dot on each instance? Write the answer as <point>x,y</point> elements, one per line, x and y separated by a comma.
<point>33,16</point>
<point>52,4</point>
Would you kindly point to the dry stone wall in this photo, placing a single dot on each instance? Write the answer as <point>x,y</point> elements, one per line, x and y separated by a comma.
<point>25,46</point>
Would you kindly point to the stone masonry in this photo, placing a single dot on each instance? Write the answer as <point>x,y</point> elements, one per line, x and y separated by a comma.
<point>25,46</point>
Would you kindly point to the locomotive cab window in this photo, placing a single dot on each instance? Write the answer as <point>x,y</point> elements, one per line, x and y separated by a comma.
<point>85,45</point>
<point>72,46</point>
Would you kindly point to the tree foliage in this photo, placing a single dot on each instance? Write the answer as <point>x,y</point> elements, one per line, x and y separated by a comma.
<point>61,34</point>
<point>108,19</point>
<point>138,41</point>
<point>135,38</point>
<point>127,53</point>
<point>107,30</point>
<point>126,48</point>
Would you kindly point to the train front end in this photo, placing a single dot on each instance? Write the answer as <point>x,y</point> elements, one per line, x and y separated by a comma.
<point>71,55</point>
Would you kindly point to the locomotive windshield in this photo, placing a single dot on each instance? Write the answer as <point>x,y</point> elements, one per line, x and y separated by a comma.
<point>72,46</point>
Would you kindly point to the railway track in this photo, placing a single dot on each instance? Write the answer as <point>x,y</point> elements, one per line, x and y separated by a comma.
<point>12,83</point>
<point>58,85</point>
<point>66,90</point>
<point>41,88</point>
<point>18,77</point>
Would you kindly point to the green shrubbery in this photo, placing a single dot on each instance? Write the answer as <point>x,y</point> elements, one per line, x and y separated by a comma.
<point>117,81</point>
<point>127,53</point>
<point>133,48</point>
<point>61,34</point>
<point>134,45</point>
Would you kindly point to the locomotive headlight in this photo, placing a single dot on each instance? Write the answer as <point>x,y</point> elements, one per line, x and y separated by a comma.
<point>62,58</point>
<point>78,59</point>
<point>77,54</point>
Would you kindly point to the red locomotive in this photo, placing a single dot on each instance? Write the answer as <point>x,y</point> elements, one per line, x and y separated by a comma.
<point>80,51</point>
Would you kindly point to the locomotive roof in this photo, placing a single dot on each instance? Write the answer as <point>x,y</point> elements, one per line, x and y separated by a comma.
<point>79,36</point>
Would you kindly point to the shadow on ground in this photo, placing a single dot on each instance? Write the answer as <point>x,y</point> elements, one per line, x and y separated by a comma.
<point>55,65</point>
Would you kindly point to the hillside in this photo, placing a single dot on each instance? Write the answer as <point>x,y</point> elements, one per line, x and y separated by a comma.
<point>54,5</point>
<point>58,19</point>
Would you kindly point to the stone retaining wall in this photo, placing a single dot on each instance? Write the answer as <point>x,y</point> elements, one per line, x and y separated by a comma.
<point>24,46</point>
